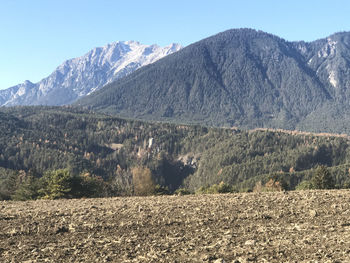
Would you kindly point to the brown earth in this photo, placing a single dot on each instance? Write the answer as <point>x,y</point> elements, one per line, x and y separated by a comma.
<point>306,226</point>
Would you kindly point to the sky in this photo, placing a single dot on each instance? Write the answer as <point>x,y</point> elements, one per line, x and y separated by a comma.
<point>36,36</point>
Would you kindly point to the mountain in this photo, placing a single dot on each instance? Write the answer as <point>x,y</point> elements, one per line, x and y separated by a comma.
<point>240,77</point>
<point>77,77</point>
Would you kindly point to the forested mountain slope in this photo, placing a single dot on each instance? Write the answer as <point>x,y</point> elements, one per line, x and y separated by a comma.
<point>240,77</point>
<point>35,140</point>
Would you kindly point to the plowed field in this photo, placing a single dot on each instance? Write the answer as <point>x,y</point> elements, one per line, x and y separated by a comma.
<point>306,226</point>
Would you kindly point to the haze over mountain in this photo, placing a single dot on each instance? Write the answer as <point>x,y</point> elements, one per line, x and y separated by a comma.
<point>240,77</point>
<point>80,76</point>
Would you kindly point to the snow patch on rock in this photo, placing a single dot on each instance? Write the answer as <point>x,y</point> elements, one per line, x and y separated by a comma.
<point>78,77</point>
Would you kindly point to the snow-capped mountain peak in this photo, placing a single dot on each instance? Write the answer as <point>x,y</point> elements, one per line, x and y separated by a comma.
<point>81,76</point>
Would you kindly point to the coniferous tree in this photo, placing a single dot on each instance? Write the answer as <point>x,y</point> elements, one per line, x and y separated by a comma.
<point>322,178</point>
<point>57,184</point>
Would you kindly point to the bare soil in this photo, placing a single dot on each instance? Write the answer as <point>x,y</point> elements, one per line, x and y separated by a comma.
<point>306,226</point>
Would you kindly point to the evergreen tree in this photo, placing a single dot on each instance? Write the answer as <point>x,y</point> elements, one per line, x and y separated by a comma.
<point>322,178</point>
<point>57,184</point>
<point>28,189</point>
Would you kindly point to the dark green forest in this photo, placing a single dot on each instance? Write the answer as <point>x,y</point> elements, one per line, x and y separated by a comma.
<point>65,152</point>
<point>240,77</point>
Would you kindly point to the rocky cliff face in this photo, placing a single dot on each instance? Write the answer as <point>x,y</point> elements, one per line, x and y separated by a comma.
<point>329,59</point>
<point>78,77</point>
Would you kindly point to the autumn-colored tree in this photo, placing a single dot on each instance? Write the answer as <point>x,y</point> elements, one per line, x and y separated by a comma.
<point>272,185</point>
<point>142,181</point>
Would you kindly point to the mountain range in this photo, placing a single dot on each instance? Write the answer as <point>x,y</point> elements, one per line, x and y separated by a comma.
<point>77,77</point>
<point>240,77</point>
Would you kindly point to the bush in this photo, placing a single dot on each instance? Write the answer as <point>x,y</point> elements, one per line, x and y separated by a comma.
<point>182,191</point>
<point>161,190</point>
<point>346,184</point>
<point>224,188</point>
<point>271,186</point>
<point>304,185</point>
<point>87,185</point>
<point>215,189</point>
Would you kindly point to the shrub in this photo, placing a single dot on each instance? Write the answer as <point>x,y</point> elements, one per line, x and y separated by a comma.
<point>182,191</point>
<point>215,189</point>
<point>304,185</point>
<point>87,185</point>
<point>272,185</point>
<point>224,188</point>
<point>161,190</point>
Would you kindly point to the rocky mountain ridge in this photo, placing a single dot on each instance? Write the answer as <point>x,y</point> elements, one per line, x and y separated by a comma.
<point>77,77</point>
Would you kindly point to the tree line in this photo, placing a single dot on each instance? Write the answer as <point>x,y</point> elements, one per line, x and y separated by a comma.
<point>108,156</point>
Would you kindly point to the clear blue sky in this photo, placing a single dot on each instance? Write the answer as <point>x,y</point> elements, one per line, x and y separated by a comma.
<point>38,35</point>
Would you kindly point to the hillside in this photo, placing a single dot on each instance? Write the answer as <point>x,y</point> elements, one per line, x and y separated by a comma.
<point>305,226</point>
<point>38,140</point>
<point>77,77</point>
<point>243,78</point>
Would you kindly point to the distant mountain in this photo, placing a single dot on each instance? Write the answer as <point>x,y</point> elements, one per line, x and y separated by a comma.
<point>77,77</point>
<point>240,77</point>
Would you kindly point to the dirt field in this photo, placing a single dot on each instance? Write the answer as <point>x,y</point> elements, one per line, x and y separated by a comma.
<point>255,227</point>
